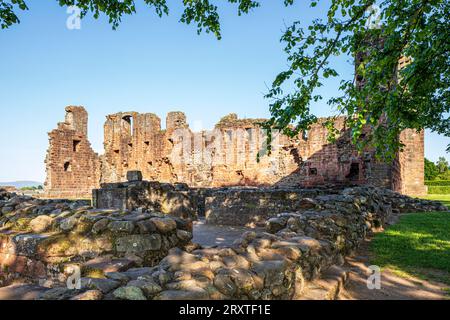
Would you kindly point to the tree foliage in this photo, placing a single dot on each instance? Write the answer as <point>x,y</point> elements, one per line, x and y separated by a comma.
<point>442,165</point>
<point>431,171</point>
<point>437,171</point>
<point>390,100</point>
<point>202,13</point>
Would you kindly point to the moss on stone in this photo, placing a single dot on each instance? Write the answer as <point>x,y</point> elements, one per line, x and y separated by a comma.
<point>83,227</point>
<point>22,224</point>
<point>56,246</point>
<point>93,273</point>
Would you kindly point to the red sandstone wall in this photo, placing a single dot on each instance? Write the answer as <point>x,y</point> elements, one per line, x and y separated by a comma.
<point>73,168</point>
<point>233,154</point>
<point>134,142</point>
<point>408,176</point>
<point>228,155</point>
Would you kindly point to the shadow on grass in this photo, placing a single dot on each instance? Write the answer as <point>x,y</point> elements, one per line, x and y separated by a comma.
<point>419,244</point>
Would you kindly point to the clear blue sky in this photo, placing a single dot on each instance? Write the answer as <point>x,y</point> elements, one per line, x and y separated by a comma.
<point>148,65</point>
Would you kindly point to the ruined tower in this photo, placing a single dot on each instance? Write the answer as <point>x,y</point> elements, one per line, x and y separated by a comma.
<point>406,173</point>
<point>73,168</point>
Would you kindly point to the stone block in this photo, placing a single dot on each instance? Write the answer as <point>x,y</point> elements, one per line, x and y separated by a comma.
<point>133,176</point>
<point>139,243</point>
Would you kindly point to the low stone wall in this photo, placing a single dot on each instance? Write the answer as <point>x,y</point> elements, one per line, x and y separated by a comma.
<point>39,239</point>
<point>253,207</point>
<point>166,198</point>
<point>297,247</point>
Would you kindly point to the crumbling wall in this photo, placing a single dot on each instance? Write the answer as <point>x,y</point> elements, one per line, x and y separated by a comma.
<point>234,153</point>
<point>296,248</point>
<point>145,255</point>
<point>253,207</point>
<point>73,168</point>
<point>40,239</point>
<point>133,141</point>
<point>174,200</point>
<point>408,168</point>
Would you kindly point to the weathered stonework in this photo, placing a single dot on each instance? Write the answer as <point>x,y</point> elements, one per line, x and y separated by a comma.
<point>409,167</point>
<point>253,207</point>
<point>40,239</point>
<point>233,154</point>
<point>73,168</point>
<point>174,200</point>
<point>128,256</point>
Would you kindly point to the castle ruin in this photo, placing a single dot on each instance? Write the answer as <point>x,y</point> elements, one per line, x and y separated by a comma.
<point>73,168</point>
<point>234,153</point>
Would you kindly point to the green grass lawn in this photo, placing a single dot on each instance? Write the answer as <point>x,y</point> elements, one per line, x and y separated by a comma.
<point>444,198</point>
<point>419,245</point>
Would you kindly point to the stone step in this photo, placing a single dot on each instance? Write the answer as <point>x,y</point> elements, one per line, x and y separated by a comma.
<point>329,286</point>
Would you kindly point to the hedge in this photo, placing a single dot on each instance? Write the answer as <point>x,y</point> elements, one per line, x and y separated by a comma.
<point>438,189</point>
<point>438,183</point>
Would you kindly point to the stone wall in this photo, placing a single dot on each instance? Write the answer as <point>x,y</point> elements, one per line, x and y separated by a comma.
<point>296,248</point>
<point>128,256</point>
<point>41,239</point>
<point>273,265</point>
<point>73,168</point>
<point>253,207</point>
<point>232,154</point>
<point>409,166</point>
<point>175,200</point>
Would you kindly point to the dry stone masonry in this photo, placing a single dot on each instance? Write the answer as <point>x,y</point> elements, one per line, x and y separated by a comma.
<point>144,254</point>
<point>176,200</point>
<point>232,154</point>
<point>41,239</point>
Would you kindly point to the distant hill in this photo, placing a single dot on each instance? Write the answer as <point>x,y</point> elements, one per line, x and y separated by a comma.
<point>21,184</point>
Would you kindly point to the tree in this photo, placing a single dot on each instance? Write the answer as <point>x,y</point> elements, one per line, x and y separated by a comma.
<point>444,176</point>
<point>203,13</point>
<point>431,171</point>
<point>415,96</point>
<point>442,165</point>
<point>393,98</point>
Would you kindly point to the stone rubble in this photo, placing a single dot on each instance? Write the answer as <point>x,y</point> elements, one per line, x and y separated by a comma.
<point>40,239</point>
<point>253,207</point>
<point>296,248</point>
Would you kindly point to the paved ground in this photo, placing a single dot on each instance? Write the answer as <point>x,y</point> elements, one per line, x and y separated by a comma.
<point>221,236</point>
